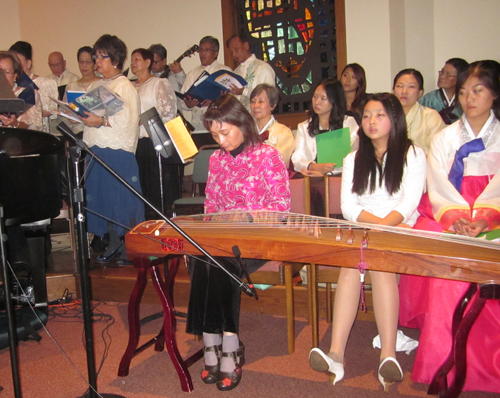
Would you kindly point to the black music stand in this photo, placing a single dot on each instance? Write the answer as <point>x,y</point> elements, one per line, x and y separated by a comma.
<point>163,144</point>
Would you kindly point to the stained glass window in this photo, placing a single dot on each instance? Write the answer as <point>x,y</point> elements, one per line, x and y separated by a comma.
<point>298,39</point>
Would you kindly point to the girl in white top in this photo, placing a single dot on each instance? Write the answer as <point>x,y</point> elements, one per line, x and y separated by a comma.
<point>382,183</point>
<point>329,109</point>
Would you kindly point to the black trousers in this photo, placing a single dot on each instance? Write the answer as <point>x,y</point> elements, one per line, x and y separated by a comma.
<point>149,176</point>
<point>214,299</point>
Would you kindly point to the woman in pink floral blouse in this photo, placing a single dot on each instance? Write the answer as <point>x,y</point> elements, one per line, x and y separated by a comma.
<point>244,175</point>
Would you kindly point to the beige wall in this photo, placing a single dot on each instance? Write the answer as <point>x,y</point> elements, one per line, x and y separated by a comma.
<point>10,30</point>
<point>65,26</point>
<point>384,36</point>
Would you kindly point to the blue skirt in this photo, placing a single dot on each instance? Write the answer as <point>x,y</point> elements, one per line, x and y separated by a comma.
<point>109,197</point>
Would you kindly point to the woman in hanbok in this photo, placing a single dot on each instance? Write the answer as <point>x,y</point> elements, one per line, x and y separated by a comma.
<point>263,100</point>
<point>444,99</point>
<point>422,122</point>
<point>463,197</point>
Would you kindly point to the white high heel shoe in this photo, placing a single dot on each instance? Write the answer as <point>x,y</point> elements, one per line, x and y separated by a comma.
<point>389,372</point>
<point>321,362</point>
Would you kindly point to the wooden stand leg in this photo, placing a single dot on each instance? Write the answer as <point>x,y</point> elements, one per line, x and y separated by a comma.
<point>313,294</point>
<point>170,322</point>
<point>134,328</point>
<point>166,337</point>
<point>290,322</point>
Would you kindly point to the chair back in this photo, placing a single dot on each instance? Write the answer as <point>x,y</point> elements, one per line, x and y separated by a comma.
<point>332,195</point>
<point>300,190</point>
<point>201,161</point>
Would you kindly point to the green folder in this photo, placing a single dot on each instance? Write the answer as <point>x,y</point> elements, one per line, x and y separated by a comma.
<point>333,146</point>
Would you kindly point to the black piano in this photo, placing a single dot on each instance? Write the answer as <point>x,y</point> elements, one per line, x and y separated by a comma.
<point>30,191</point>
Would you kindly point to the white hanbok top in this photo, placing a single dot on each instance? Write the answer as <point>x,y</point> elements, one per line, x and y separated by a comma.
<point>447,202</point>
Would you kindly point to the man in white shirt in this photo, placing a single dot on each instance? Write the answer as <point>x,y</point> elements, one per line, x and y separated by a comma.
<point>253,70</point>
<point>60,74</point>
<point>208,52</point>
<point>174,73</point>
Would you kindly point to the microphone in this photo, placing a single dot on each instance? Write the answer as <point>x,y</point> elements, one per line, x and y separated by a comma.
<point>251,291</point>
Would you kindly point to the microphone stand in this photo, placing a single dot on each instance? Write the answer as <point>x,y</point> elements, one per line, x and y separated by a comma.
<point>78,199</point>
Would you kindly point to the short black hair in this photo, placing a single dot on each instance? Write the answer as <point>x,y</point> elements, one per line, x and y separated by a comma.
<point>145,54</point>
<point>212,40</point>
<point>459,64</point>
<point>114,47</point>
<point>240,36</point>
<point>23,48</point>
<point>413,72</point>
<point>228,109</point>
<point>84,49</point>
<point>159,50</point>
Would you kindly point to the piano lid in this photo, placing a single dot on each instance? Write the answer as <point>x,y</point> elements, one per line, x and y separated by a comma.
<point>20,142</point>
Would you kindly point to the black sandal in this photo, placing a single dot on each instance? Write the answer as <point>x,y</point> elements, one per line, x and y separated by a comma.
<point>210,373</point>
<point>228,381</point>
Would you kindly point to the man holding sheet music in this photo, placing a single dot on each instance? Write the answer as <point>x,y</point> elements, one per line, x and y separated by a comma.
<point>253,70</point>
<point>192,108</point>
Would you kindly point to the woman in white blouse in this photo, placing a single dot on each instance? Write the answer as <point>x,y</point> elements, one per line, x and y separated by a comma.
<point>87,69</point>
<point>263,100</point>
<point>157,93</point>
<point>328,113</point>
<point>114,140</point>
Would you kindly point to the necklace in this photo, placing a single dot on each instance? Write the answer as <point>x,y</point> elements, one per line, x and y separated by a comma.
<point>113,77</point>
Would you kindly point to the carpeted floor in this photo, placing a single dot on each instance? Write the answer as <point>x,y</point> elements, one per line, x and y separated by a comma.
<point>269,370</point>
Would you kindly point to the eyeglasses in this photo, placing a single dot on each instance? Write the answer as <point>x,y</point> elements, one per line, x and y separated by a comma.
<point>85,62</point>
<point>99,56</point>
<point>446,74</point>
<point>157,62</point>
<point>206,50</point>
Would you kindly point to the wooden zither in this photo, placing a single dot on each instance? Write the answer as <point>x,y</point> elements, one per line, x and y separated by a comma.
<point>307,239</point>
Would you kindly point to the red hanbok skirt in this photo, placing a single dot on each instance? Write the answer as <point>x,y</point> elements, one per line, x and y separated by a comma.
<point>428,304</point>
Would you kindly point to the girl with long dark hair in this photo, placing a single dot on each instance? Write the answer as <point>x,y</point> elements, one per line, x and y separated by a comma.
<point>382,183</point>
<point>353,79</point>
